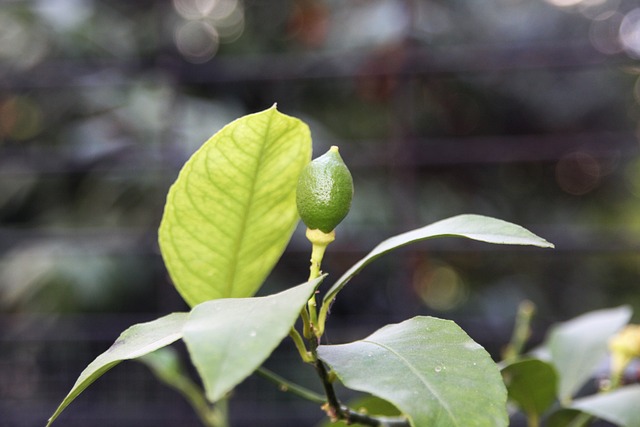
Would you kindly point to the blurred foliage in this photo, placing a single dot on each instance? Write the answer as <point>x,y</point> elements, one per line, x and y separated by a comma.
<point>523,110</point>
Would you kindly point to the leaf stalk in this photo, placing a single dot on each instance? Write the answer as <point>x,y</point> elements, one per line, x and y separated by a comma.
<point>286,385</point>
<point>302,349</point>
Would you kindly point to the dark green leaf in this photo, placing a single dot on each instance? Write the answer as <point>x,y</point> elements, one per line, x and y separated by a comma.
<point>369,405</point>
<point>476,227</point>
<point>568,418</point>
<point>531,384</point>
<point>429,369</point>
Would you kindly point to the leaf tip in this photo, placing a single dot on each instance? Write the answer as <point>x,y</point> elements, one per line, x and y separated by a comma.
<point>546,244</point>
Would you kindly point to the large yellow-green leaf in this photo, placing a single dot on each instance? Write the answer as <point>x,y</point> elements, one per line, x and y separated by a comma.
<point>232,210</point>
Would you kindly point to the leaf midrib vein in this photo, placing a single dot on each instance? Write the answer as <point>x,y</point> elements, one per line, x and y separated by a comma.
<point>418,375</point>
<point>245,215</point>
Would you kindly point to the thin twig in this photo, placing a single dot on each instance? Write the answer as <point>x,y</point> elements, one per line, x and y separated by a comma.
<point>290,387</point>
<point>521,330</point>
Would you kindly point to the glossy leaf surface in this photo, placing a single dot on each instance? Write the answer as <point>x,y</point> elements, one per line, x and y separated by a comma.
<point>229,338</point>
<point>429,368</point>
<point>232,210</point>
<point>136,341</point>
<point>476,227</point>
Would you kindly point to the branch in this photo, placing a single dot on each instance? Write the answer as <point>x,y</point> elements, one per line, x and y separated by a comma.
<point>337,411</point>
<point>354,417</point>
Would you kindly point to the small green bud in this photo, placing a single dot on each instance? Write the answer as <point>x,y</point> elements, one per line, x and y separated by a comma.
<point>324,193</point>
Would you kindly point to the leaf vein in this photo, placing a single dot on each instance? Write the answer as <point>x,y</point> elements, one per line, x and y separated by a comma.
<point>419,375</point>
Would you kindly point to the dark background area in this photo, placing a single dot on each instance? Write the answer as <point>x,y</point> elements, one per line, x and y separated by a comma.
<point>526,110</point>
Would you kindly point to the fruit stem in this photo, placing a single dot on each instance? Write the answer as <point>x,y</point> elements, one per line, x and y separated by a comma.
<point>319,241</point>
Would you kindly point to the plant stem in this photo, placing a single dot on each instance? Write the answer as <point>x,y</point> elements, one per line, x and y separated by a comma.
<point>306,323</point>
<point>521,330</point>
<point>344,412</point>
<point>313,331</point>
<point>322,317</point>
<point>167,368</point>
<point>219,414</point>
<point>319,241</point>
<point>210,416</point>
<point>290,387</point>
<point>334,407</point>
<point>337,411</point>
<point>302,349</point>
<point>317,253</point>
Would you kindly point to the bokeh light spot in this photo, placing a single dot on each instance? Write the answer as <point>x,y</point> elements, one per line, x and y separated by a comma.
<point>231,26</point>
<point>578,173</point>
<point>603,33</point>
<point>207,23</point>
<point>65,15</point>
<point>194,9</point>
<point>206,9</point>
<point>630,32</point>
<point>632,176</point>
<point>20,118</point>
<point>21,45</point>
<point>197,41</point>
<point>439,286</point>
<point>564,3</point>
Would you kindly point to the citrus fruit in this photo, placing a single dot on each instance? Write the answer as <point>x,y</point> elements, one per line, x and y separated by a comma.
<point>324,192</point>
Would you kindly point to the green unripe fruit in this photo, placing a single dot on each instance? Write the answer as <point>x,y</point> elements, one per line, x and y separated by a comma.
<point>324,193</point>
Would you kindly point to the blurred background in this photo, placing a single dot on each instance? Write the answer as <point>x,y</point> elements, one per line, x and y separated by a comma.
<point>527,110</point>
